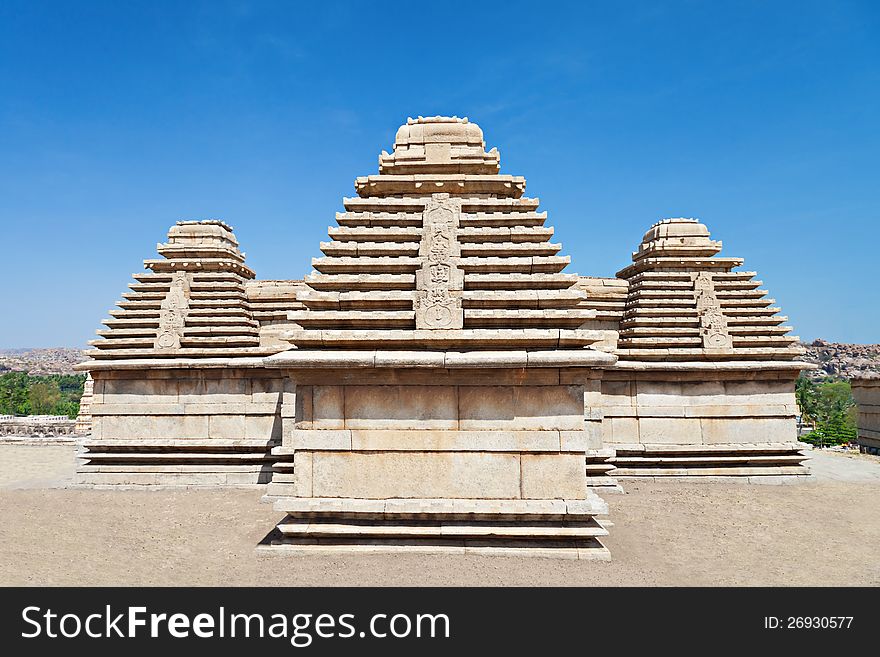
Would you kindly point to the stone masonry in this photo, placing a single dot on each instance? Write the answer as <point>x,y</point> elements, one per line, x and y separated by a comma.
<point>440,382</point>
<point>866,392</point>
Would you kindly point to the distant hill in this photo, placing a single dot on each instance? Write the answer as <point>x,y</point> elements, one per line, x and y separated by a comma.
<point>56,360</point>
<point>841,360</point>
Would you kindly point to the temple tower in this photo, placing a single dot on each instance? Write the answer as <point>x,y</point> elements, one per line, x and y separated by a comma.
<point>437,379</point>
<point>704,384</point>
<point>177,397</point>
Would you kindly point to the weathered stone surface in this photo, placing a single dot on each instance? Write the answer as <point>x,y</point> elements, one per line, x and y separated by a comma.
<point>553,476</point>
<point>403,474</point>
<point>521,408</point>
<point>457,441</point>
<point>401,407</point>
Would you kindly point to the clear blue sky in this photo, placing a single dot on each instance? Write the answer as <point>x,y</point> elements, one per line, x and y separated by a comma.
<point>119,118</point>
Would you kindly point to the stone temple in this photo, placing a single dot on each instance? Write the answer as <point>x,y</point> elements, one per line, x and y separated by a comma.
<point>440,381</point>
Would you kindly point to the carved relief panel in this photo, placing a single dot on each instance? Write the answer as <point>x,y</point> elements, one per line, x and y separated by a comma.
<point>440,280</point>
<point>713,325</point>
<point>173,312</point>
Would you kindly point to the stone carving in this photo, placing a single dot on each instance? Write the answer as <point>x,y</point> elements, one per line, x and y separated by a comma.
<point>439,281</point>
<point>172,316</point>
<point>713,326</point>
<point>36,426</point>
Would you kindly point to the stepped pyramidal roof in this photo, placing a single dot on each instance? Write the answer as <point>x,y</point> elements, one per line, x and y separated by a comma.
<point>190,302</point>
<point>441,251</point>
<point>687,303</point>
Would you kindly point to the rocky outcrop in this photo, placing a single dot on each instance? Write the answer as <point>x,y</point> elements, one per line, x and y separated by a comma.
<point>841,360</point>
<point>37,362</point>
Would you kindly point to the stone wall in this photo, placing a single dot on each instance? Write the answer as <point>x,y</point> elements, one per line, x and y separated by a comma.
<point>691,423</point>
<point>510,434</point>
<point>866,392</point>
<point>182,426</point>
<point>36,426</point>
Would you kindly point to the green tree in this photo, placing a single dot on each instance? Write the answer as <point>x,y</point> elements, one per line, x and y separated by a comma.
<point>14,394</point>
<point>44,397</point>
<point>834,413</point>
<point>806,395</point>
<point>57,394</point>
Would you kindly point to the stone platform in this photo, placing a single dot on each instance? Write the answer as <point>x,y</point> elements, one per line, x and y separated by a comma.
<point>741,460</point>
<point>538,528</point>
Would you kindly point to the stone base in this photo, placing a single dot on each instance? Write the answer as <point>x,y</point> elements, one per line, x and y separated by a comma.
<point>740,460</point>
<point>601,471</point>
<point>541,528</point>
<point>174,463</point>
<point>599,468</point>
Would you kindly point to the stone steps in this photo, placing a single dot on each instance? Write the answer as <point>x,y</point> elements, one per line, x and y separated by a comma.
<point>369,249</point>
<point>360,281</point>
<point>546,528</point>
<point>455,184</point>
<point>357,300</point>
<point>566,298</point>
<point>692,354</point>
<point>174,462</point>
<point>381,219</point>
<point>526,317</point>
<point>366,265</point>
<point>405,221</point>
<point>504,234</point>
<point>413,205</point>
<point>741,330</point>
<point>500,338</point>
<point>584,549</point>
<point>514,264</point>
<point>495,249</point>
<point>512,220</point>
<point>177,457</point>
<point>726,471</point>
<point>375,233</point>
<point>622,461</point>
<point>355,319</point>
<point>687,276</point>
<point>322,528</point>
<point>725,459</point>
<point>519,281</point>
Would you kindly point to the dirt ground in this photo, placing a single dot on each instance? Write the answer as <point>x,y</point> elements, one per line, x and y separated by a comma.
<point>821,532</point>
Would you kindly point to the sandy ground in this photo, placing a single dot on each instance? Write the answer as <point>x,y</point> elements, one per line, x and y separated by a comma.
<point>821,532</point>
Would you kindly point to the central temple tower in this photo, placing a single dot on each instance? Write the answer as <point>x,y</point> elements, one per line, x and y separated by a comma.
<point>438,374</point>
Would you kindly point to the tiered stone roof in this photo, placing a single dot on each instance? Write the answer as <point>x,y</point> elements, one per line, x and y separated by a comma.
<point>441,251</point>
<point>686,303</point>
<point>190,303</point>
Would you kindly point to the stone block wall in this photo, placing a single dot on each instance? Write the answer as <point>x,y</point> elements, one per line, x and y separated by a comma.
<point>695,423</point>
<point>508,434</point>
<point>866,393</point>
<point>182,427</point>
